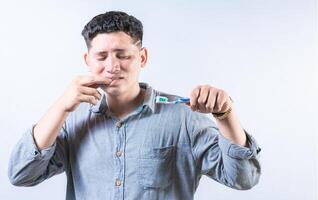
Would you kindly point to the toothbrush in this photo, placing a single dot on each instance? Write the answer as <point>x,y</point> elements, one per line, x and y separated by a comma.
<point>165,100</point>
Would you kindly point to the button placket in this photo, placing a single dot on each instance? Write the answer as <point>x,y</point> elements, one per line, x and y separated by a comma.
<point>119,158</point>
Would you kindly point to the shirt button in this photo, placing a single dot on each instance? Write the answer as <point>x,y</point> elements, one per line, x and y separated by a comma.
<point>118,183</point>
<point>118,124</point>
<point>118,153</point>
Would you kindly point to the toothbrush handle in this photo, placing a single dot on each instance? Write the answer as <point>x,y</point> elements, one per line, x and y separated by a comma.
<point>183,100</point>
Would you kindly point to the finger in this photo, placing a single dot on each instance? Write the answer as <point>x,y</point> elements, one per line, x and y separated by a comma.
<point>226,106</point>
<point>93,81</point>
<point>193,98</point>
<point>203,97</point>
<point>99,81</point>
<point>202,100</point>
<point>220,102</point>
<point>90,91</point>
<point>88,99</point>
<point>211,100</point>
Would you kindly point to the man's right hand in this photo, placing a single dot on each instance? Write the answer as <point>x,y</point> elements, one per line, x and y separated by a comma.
<point>82,89</point>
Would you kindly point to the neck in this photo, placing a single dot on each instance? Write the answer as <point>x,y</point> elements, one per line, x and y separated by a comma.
<point>124,104</point>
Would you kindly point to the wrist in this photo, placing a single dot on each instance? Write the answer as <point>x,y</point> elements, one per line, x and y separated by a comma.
<point>222,115</point>
<point>225,114</point>
<point>60,106</point>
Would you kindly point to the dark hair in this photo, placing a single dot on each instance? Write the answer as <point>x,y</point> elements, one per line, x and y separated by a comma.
<point>113,21</point>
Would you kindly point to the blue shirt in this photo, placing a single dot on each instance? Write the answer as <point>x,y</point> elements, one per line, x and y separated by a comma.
<point>157,152</point>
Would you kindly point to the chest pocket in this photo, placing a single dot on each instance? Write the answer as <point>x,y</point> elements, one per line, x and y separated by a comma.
<point>156,166</point>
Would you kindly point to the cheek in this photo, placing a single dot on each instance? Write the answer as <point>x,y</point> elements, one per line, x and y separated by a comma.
<point>96,68</point>
<point>135,73</point>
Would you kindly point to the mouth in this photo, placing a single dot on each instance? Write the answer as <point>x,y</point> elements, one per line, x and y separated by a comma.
<point>116,81</point>
<point>115,77</point>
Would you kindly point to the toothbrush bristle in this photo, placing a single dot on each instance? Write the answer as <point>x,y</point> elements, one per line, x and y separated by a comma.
<point>160,99</point>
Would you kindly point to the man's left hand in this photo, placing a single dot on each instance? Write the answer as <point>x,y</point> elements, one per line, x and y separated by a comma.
<point>208,99</point>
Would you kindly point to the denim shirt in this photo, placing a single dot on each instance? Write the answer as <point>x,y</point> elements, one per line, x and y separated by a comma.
<point>158,152</point>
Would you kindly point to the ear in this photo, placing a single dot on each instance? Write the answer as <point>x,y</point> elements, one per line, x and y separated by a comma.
<point>85,56</point>
<point>86,60</point>
<point>143,56</point>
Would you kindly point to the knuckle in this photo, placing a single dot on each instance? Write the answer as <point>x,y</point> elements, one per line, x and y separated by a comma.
<point>201,100</point>
<point>209,107</point>
<point>77,89</point>
<point>197,89</point>
<point>212,89</point>
<point>218,109</point>
<point>194,93</point>
<point>222,92</point>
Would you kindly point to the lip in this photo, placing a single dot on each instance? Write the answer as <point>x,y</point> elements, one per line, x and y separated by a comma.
<point>116,81</point>
<point>115,78</point>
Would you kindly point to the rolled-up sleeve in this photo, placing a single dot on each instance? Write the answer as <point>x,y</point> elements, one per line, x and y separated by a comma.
<point>241,164</point>
<point>237,151</point>
<point>230,164</point>
<point>29,166</point>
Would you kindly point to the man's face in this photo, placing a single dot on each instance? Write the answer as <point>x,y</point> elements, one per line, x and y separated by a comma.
<point>115,56</point>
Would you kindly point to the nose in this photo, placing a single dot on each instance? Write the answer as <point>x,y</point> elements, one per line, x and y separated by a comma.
<point>112,65</point>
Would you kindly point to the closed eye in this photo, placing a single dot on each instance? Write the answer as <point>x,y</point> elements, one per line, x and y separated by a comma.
<point>101,58</point>
<point>123,57</point>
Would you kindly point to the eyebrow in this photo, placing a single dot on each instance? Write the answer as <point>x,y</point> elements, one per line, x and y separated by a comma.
<point>115,50</point>
<point>138,42</point>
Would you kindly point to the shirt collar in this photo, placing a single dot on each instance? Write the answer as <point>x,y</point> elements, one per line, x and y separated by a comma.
<point>149,101</point>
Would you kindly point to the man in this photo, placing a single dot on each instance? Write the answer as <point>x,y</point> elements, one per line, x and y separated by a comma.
<point>120,144</point>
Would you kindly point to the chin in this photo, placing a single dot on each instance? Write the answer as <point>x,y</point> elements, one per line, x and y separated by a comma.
<point>113,91</point>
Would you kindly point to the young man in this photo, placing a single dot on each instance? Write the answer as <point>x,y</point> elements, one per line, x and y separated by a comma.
<point>120,144</point>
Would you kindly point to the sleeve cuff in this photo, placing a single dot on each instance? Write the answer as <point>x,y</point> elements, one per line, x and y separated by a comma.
<point>237,151</point>
<point>32,149</point>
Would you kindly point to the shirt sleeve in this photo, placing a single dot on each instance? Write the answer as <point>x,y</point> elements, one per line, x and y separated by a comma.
<point>29,166</point>
<point>230,164</point>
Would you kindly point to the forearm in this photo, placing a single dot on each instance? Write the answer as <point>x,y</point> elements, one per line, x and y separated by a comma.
<point>231,129</point>
<point>47,129</point>
<point>81,89</point>
<point>28,166</point>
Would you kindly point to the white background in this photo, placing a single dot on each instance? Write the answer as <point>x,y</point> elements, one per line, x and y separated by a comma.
<point>262,52</point>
